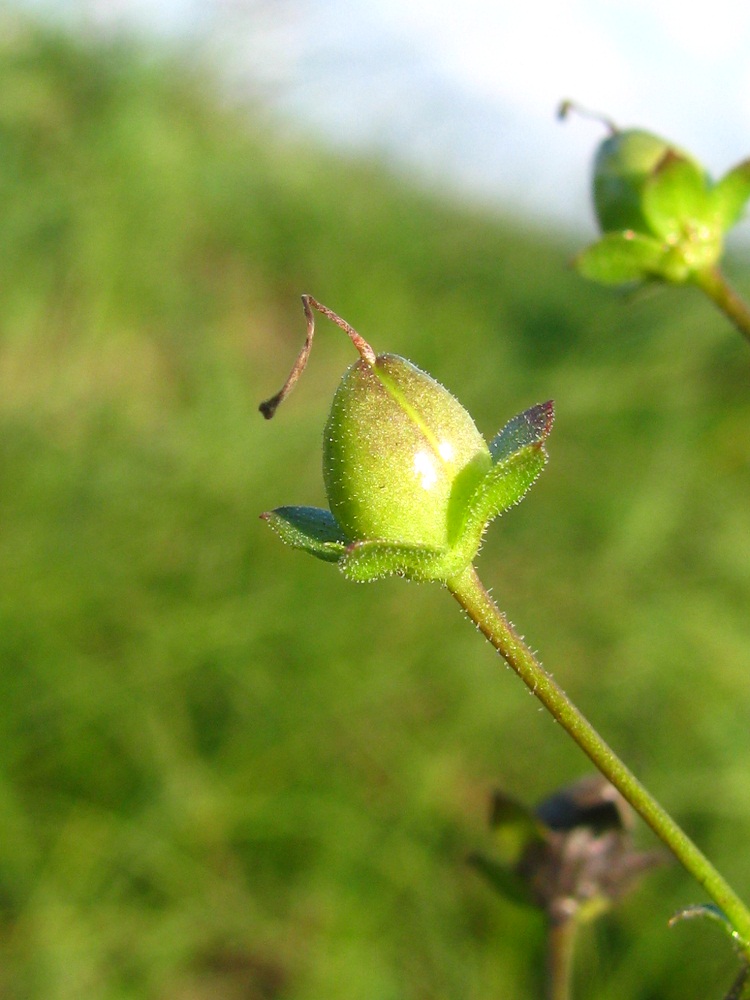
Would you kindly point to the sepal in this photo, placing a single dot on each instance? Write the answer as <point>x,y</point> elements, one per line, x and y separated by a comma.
<point>311,529</point>
<point>506,484</point>
<point>675,199</point>
<point>527,428</point>
<point>730,195</point>
<point>369,560</point>
<point>621,258</point>
<point>519,456</point>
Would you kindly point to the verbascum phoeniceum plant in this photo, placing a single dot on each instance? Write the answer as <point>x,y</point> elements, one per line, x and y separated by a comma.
<point>412,486</point>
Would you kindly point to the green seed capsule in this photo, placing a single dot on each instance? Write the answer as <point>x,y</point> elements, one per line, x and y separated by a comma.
<point>400,456</point>
<point>411,482</point>
<point>623,163</point>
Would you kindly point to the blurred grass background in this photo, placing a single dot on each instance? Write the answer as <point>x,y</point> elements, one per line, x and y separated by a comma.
<point>224,771</point>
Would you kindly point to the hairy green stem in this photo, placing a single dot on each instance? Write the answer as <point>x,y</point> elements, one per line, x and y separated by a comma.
<point>561,937</point>
<point>480,607</point>
<point>712,282</point>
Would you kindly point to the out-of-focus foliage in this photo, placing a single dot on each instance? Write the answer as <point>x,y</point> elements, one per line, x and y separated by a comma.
<point>224,770</point>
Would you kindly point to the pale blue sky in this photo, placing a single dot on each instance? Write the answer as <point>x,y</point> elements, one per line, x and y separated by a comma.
<point>466,91</point>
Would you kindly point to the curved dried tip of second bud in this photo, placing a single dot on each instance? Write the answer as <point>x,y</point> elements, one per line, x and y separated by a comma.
<point>567,106</point>
<point>269,406</point>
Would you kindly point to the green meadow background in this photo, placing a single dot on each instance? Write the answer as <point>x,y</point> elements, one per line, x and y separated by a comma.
<point>224,771</point>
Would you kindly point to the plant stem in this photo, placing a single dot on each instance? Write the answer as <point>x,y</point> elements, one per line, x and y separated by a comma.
<point>480,607</point>
<point>712,282</point>
<point>561,936</point>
